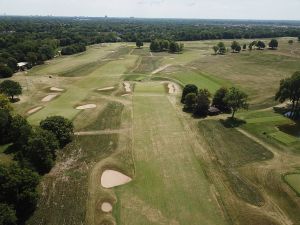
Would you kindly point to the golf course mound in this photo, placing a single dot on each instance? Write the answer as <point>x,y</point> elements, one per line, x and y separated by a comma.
<point>106,89</point>
<point>88,106</point>
<point>106,207</point>
<point>56,89</point>
<point>31,111</point>
<point>112,178</point>
<point>49,97</point>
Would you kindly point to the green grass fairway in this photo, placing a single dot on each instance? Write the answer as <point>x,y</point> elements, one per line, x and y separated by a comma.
<point>283,137</point>
<point>169,186</point>
<point>106,75</point>
<point>294,181</point>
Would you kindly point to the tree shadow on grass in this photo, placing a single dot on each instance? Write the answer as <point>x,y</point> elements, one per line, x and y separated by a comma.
<point>232,122</point>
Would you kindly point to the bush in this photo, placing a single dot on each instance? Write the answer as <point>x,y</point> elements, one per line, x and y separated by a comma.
<point>5,71</point>
<point>189,88</point>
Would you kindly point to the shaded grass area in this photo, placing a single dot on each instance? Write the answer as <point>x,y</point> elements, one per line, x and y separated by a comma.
<point>63,192</point>
<point>109,118</point>
<point>293,180</point>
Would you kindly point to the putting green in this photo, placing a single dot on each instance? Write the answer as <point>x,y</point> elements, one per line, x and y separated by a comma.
<point>169,186</point>
<point>294,181</point>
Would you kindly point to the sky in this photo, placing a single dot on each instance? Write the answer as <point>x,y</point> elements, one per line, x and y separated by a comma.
<point>202,9</point>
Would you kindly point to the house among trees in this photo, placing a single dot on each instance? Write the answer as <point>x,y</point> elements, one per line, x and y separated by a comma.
<point>22,66</point>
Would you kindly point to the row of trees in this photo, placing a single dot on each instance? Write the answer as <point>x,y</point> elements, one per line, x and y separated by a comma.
<point>221,49</point>
<point>73,49</point>
<point>227,100</point>
<point>289,89</point>
<point>166,45</point>
<point>34,150</point>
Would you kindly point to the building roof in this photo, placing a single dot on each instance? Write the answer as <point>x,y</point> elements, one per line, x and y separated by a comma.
<point>213,109</point>
<point>20,64</point>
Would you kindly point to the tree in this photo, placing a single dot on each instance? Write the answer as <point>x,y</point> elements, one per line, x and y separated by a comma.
<point>236,100</point>
<point>41,150</point>
<point>291,42</point>
<point>299,38</point>
<point>174,47</point>
<point>5,103</point>
<point>261,45</point>
<point>244,47</point>
<point>273,44</point>
<point>222,48</point>
<point>289,89</point>
<point>12,63</point>
<point>155,46</point>
<point>165,45</point>
<point>235,46</point>
<point>189,102</point>
<point>5,123</point>
<point>19,133</point>
<point>7,215</point>
<point>5,71</point>
<point>202,104</point>
<point>18,189</point>
<point>139,43</point>
<point>47,51</point>
<point>61,127</point>
<point>216,49</point>
<point>10,88</point>
<point>189,88</point>
<point>219,100</point>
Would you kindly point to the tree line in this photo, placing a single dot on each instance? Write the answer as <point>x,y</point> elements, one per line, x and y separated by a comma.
<point>34,149</point>
<point>236,47</point>
<point>166,45</point>
<point>198,101</point>
<point>37,39</point>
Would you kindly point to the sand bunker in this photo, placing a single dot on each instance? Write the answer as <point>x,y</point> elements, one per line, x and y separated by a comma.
<point>172,88</point>
<point>56,89</point>
<point>106,89</point>
<point>127,86</point>
<point>112,178</point>
<point>49,97</point>
<point>88,106</point>
<point>106,207</point>
<point>31,111</point>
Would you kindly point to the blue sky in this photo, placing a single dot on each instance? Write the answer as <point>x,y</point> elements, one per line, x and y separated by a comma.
<point>208,9</point>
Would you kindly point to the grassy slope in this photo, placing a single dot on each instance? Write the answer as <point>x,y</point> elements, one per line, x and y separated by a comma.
<point>169,186</point>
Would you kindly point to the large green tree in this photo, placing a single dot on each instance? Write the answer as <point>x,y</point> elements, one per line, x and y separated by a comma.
<point>273,44</point>
<point>10,88</point>
<point>139,43</point>
<point>219,100</point>
<point>61,127</point>
<point>236,99</point>
<point>189,88</point>
<point>235,46</point>
<point>289,89</point>
<point>189,102</point>
<point>260,45</point>
<point>202,104</point>
<point>7,215</point>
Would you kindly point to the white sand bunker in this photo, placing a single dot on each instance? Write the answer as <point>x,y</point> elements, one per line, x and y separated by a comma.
<point>112,178</point>
<point>106,207</point>
<point>172,88</point>
<point>106,89</point>
<point>127,86</point>
<point>56,89</point>
<point>49,97</point>
<point>31,111</point>
<point>88,106</point>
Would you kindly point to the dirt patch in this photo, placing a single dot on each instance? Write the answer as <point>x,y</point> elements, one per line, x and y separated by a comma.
<point>160,69</point>
<point>106,207</point>
<point>31,111</point>
<point>106,89</point>
<point>48,98</point>
<point>88,106</point>
<point>112,178</point>
<point>127,86</point>
<point>56,89</point>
